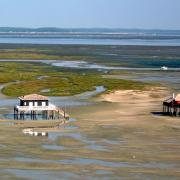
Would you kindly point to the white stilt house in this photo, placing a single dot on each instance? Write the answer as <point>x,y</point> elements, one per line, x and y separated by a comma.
<point>34,104</point>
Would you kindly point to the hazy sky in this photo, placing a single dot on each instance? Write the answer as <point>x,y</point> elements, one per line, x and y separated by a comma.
<point>163,14</point>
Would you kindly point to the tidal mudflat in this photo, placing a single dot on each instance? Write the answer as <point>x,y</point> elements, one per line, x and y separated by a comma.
<point>114,131</point>
<point>109,140</point>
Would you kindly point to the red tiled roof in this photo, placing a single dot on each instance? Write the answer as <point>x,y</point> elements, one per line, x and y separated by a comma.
<point>177,98</point>
<point>35,97</point>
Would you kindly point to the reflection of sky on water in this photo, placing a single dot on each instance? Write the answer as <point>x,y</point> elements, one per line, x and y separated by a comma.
<point>87,65</point>
<point>131,65</point>
<point>89,41</point>
<point>81,64</point>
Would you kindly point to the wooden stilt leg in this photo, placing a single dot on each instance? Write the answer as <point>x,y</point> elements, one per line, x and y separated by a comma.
<point>14,113</point>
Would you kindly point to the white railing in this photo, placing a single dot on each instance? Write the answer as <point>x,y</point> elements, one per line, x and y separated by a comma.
<point>51,107</point>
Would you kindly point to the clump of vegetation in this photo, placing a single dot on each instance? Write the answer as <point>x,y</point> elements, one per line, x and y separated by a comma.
<point>24,78</point>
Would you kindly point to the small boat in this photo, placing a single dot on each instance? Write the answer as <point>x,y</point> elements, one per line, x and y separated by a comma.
<point>164,68</point>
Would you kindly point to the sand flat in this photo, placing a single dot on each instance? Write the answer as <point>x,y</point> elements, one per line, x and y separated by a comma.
<point>117,134</point>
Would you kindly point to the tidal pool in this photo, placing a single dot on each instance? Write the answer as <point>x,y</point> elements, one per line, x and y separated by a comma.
<point>43,174</point>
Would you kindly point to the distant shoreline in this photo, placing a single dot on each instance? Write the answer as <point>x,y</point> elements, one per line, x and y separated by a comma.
<point>80,29</point>
<point>89,36</point>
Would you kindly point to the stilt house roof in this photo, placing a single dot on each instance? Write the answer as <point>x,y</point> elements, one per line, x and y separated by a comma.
<point>177,98</point>
<point>34,97</point>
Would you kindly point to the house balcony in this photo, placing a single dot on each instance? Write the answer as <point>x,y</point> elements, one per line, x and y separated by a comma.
<point>50,107</point>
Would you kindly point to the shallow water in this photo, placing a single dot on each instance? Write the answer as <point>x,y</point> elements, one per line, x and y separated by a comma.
<point>86,65</point>
<point>119,164</point>
<point>88,143</point>
<point>140,65</point>
<point>88,161</point>
<point>71,41</point>
<point>54,135</point>
<point>54,147</point>
<point>45,175</point>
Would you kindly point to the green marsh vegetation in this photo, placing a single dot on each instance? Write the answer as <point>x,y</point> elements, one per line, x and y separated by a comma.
<point>26,77</point>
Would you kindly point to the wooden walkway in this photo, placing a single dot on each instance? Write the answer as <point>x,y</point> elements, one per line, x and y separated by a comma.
<point>62,112</point>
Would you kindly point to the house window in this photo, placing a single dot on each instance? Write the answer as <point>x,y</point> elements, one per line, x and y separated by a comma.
<point>25,103</point>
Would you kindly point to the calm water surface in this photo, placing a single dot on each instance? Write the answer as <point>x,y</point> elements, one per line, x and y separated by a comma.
<point>172,42</point>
